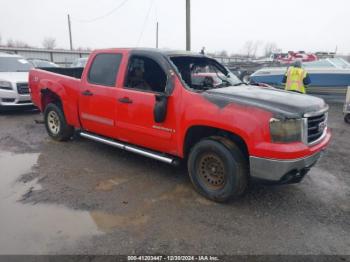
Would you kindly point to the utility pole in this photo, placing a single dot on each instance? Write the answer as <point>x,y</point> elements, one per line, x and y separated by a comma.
<point>157,28</point>
<point>188,25</point>
<point>70,33</point>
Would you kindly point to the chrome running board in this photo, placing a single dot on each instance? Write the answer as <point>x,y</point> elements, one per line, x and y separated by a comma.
<point>126,147</point>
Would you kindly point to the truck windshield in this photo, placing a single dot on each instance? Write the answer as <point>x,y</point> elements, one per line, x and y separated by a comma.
<point>203,73</point>
<point>14,64</point>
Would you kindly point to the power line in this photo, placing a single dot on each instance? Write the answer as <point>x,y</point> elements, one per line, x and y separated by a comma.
<point>102,16</point>
<point>145,22</point>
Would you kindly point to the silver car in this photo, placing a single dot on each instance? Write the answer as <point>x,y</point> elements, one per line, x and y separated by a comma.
<point>14,91</point>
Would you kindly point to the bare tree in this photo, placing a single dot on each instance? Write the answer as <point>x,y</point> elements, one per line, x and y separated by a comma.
<point>10,43</point>
<point>19,43</point>
<point>16,43</point>
<point>270,47</point>
<point>250,48</point>
<point>223,53</point>
<point>49,43</point>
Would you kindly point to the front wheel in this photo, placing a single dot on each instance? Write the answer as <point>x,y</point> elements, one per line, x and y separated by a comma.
<point>55,123</point>
<point>218,171</point>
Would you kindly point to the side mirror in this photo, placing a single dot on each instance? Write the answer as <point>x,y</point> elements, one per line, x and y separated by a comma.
<point>161,100</point>
<point>160,108</point>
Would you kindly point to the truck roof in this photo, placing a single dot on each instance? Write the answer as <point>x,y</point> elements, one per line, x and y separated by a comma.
<point>167,52</point>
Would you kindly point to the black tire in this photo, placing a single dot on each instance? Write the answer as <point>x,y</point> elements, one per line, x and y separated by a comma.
<point>347,118</point>
<point>53,115</point>
<point>218,169</point>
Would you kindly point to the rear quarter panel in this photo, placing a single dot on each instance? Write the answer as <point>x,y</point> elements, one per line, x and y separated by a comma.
<point>65,87</point>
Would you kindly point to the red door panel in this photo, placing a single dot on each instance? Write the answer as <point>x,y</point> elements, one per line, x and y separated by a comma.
<point>98,110</point>
<point>136,125</point>
<point>97,101</point>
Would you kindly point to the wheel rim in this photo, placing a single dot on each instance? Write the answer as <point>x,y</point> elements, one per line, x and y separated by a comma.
<point>211,171</point>
<point>53,122</point>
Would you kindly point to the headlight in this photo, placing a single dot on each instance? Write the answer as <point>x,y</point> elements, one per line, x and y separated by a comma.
<point>286,131</point>
<point>5,85</point>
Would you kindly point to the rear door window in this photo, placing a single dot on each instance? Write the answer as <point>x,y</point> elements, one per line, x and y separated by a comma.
<point>104,69</point>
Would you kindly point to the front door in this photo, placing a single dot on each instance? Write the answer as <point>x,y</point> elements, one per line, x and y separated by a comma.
<point>97,102</point>
<point>135,122</point>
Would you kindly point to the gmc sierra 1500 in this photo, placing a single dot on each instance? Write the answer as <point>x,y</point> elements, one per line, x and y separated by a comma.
<point>152,102</point>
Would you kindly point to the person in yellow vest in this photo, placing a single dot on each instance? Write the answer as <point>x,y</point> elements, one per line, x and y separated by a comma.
<point>296,78</point>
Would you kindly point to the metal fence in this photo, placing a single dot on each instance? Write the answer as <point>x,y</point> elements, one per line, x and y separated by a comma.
<point>66,57</point>
<point>61,57</point>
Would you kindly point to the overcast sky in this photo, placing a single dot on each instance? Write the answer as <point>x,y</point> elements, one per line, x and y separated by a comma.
<point>216,24</point>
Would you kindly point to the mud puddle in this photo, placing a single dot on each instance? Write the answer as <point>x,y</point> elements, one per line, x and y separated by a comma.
<point>34,229</point>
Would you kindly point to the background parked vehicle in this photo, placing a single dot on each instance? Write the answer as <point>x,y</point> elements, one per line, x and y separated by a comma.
<point>40,63</point>
<point>14,91</point>
<point>80,62</point>
<point>329,77</point>
<point>291,56</point>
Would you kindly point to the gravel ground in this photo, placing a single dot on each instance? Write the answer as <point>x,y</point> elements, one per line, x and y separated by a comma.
<point>81,197</point>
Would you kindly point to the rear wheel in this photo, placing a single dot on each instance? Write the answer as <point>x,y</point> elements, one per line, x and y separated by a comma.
<point>218,170</point>
<point>55,123</point>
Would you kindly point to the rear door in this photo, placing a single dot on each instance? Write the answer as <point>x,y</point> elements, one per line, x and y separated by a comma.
<point>97,103</point>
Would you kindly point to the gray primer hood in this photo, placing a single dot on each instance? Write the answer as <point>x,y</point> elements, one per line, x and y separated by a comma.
<point>281,103</point>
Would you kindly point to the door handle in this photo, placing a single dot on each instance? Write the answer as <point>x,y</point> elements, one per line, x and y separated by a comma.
<point>125,100</point>
<point>87,93</point>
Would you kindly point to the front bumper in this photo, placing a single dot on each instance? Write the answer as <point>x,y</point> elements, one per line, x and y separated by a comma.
<point>10,98</point>
<point>281,171</point>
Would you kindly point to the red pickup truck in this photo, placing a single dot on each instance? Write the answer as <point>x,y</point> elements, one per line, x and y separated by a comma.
<point>151,102</point>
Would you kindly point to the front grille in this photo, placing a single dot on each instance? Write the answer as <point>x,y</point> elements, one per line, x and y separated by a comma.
<point>22,88</point>
<point>24,102</point>
<point>316,125</point>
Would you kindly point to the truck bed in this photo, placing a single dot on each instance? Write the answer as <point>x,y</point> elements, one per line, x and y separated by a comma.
<point>63,81</point>
<point>72,72</point>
